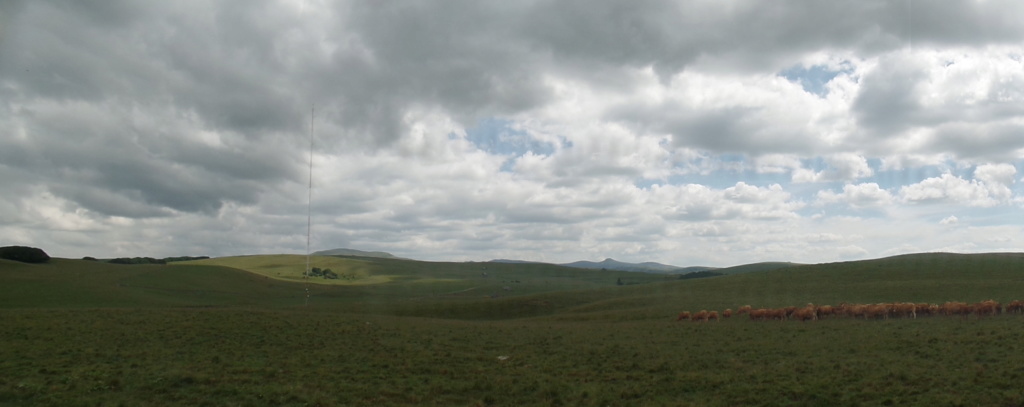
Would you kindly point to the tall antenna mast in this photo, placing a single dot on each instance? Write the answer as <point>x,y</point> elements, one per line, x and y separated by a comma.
<point>910,24</point>
<point>309,202</point>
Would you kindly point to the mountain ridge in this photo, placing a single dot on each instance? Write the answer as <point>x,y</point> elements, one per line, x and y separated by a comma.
<point>354,252</point>
<point>648,267</point>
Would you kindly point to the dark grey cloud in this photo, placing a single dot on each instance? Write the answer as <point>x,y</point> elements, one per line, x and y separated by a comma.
<point>109,164</point>
<point>983,143</point>
<point>737,129</point>
<point>969,112</point>
<point>255,67</point>
<point>889,98</point>
<point>392,57</point>
<point>113,102</point>
<point>194,115</point>
<point>755,35</point>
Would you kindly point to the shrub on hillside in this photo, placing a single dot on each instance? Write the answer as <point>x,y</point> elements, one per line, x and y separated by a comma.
<point>24,254</point>
<point>325,273</point>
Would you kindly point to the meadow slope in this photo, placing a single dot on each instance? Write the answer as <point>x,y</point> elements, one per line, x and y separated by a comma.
<point>88,333</point>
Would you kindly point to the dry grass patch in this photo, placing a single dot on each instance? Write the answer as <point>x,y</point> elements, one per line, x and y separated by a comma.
<point>290,267</point>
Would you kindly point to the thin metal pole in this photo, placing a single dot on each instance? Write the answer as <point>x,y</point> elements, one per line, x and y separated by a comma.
<point>910,24</point>
<point>309,202</point>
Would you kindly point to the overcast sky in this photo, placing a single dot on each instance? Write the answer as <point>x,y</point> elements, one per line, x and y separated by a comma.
<point>690,132</point>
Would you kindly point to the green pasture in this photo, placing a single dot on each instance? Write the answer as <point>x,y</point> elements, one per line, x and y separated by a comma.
<point>87,333</point>
<point>63,283</point>
<point>394,285</point>
<point>237,356</point>
<point>290,267</point>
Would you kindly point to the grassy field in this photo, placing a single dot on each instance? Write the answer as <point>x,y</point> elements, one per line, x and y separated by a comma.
<point>87,333</point>
<point>290,267</point>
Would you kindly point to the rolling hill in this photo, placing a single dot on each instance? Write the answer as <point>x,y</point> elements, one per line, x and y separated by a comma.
<point>763,266</point>
<point>612,264</point>
<point>504,290</point>
<point>247,330</point>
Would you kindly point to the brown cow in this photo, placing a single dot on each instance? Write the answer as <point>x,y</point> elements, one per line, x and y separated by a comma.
<point>951,308</point>
<point>877,311</point>
<point>890,309</point>
<point>841,310</point>
<point>905,310</point>
<point>727,313</point>
<point>825,310</point>
<point>987,308</point>
<point>758,314</point>
<point>776,314</point>
<point>743,310</point>
<point>805,314</point>
<point>1015,307</point>
<point>922,309</point>
<point>683,315</point>
<point>700,316</point>
<point>858,311</point>
<point>713,315</point>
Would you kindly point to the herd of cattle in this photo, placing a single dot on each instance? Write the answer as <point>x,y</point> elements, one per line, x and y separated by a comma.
<point>811,312</point>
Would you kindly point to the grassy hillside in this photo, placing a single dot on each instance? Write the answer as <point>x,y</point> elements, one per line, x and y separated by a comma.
<point>933,278</point>
<point>290,267</point>
<point>64,283</point>
<point>89,333</point>
<point>747,268</point>
<point>479,291</point>
<point>378,280</point>
<point>370,285</point>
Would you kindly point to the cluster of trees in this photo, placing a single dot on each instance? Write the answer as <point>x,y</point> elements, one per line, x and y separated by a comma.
<point>148,260</point>
<point>136,260</point>
<point>185,258</point>
<point>325,273</point>
<point>36,255</point>
<point>24,254</point>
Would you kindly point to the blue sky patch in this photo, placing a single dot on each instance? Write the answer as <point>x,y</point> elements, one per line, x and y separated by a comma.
<point>499,137</point>
<point>812,79</point>
<point>721,178</point>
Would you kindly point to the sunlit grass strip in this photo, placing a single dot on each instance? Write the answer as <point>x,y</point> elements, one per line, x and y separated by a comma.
<point>290,267</point>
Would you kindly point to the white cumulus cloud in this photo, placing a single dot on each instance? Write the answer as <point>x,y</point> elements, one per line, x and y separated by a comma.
<point>986,191</point>
<point>840,167</point>
<point>858,196</point>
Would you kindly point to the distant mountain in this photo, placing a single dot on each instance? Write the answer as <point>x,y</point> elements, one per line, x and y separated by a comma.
<point>646,267</point>
<point>507,261</point>
<point>353,252</point>
<point>652,267</point>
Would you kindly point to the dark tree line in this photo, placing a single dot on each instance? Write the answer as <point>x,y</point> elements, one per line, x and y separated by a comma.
<point>35,255</point>
<point>136,260</point>
<point>150,260</point>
